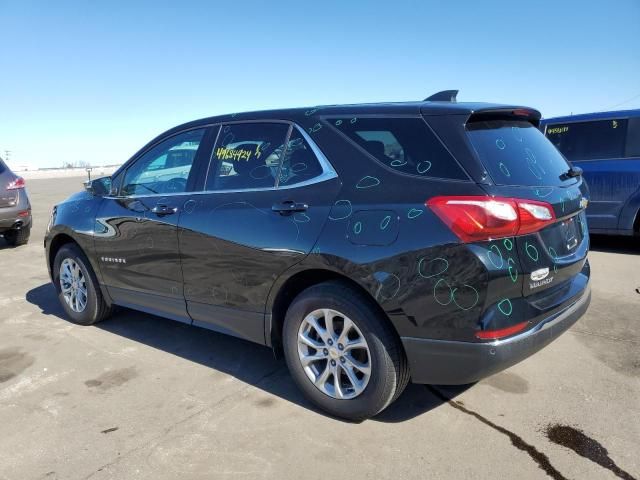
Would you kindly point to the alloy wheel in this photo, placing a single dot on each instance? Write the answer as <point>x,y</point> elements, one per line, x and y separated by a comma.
<point>73,285</point>
<point>334,354</point>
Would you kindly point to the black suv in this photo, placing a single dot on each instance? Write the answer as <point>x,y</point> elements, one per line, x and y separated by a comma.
<point>433,241</point>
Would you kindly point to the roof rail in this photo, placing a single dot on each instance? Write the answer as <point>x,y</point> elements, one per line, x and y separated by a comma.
<point>443,96</point>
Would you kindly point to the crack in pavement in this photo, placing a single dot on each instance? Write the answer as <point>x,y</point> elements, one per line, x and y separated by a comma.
<point>537,456</point>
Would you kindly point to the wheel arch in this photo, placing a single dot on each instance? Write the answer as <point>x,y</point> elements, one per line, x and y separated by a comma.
<point>64,238</point>
<point>56,244</point>
<point>296,284</point>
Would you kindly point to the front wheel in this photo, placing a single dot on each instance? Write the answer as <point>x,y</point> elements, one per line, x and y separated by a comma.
<point>77,287</point>
<point>342,352</point>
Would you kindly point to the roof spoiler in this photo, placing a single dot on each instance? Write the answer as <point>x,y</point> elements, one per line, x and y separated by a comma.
<point>510,113</point>
<point>443,96</point>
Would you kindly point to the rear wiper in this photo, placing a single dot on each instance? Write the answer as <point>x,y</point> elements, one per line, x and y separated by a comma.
<point>572,173</point>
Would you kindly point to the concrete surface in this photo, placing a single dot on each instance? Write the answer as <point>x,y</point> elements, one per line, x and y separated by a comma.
<point>140,397</point>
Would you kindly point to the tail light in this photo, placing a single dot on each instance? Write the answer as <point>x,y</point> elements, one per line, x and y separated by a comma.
<point>501,332</point>
<point>477,218</point>
<point>16,184</point>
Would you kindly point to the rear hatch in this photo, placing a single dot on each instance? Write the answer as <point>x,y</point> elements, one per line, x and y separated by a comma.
<point>537,267</point>
<point>523,164</point>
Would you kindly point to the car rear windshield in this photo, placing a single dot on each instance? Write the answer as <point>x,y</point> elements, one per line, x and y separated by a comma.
<point>406,145</point>
<point>515,152</point>
<point>3,167</point>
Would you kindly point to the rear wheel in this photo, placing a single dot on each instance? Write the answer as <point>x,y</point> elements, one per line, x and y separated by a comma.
<point>342,352</point>
<point>17,238</point>
<point>77,287</point>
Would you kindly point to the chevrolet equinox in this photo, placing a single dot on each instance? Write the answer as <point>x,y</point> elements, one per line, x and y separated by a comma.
<point>435,241</point>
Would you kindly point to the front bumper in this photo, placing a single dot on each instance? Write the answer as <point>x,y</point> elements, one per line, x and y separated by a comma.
<point>445,362</point>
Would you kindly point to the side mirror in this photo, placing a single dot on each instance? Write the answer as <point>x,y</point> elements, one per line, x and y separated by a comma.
<point>99,186</point>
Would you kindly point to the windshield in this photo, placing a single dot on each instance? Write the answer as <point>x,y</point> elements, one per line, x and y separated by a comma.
<point>517,153</point>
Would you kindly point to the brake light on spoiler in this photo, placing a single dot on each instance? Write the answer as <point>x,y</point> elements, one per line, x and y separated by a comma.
<point>478,218</point>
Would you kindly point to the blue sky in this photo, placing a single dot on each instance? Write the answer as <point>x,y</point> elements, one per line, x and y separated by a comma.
<point>94,81</point>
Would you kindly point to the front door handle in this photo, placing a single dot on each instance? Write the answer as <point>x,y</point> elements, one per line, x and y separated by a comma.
<point>288,207</point>
<point>162,210</point>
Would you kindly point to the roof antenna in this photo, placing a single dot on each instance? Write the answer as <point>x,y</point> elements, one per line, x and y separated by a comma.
<point>443,96</point>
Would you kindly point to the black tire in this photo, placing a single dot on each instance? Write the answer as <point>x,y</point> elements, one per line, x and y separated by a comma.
<point>17,238</point>
<point>96,308</point>
<point>389,369</point>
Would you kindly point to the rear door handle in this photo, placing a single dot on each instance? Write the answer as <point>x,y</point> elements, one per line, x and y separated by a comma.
<point>162,210</point>
<point>288,207</point>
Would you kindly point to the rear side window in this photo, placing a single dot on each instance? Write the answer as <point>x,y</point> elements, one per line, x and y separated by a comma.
<point>2,166</point>
<point>517,153</point>
<point>247,156</point>
<point>599,139</point>
<point>300,163</point>
<point>407,145</point>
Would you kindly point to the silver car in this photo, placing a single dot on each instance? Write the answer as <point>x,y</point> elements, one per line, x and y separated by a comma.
<point>15,209</point>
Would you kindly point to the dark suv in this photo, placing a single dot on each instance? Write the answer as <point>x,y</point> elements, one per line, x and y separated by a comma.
<point>434,241</point>
<point>15,208</point>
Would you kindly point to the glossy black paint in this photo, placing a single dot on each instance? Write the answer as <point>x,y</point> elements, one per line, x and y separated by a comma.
<point>226,260</point>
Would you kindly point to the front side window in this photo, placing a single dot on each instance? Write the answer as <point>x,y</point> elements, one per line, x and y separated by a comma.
<point>247,156</point>
<point>165,168</point>
<point>600,139</point>
<point>407,145</point>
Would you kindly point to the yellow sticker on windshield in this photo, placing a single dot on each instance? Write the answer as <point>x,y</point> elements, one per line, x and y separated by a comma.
<point>555,130</point>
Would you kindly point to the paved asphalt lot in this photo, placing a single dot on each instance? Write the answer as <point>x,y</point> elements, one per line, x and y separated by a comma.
<point>142,397</point>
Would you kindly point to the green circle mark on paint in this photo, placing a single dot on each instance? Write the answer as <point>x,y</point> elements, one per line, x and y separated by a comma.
<point>368,181</point>
<point>508,244</point>
<point>353,120</point>
<point>338,123</point>
<point>453,296</point>
<point>398,163</point>
<point>423,167</point>
<point>497,253</point>
<point>503,168</point>
<point>554,256</point>
<point>357,228</point>
<point>435,296</point>
<point>385,222</point>
<point>315,128</point>
<point>531,250</point>
<point>444,268</point>
<point>413,213</point>
<point>513,272</point>
<point>503,310</point>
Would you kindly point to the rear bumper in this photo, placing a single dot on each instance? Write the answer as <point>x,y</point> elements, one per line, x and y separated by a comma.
<point>444,362</point>
<point>10,218</point>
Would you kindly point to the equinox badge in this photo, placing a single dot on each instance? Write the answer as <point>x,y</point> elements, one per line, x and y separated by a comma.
<point>539,278</point>
<point>540,274</point>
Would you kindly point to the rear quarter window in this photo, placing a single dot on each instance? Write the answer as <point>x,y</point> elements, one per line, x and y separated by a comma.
<point>3,167</point>
<point>598,139</point>
<point>406,145</point>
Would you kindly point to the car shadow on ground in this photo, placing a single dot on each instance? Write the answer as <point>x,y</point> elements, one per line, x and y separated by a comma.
<point>251,363</point>
<point>615,244</point>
